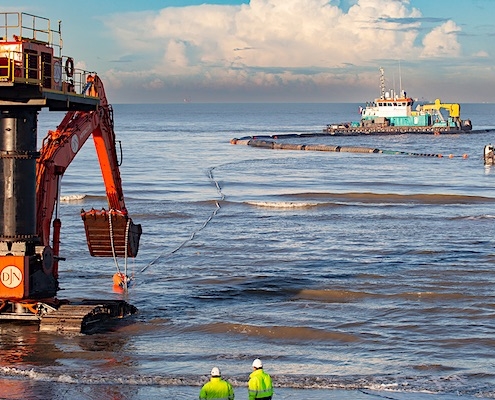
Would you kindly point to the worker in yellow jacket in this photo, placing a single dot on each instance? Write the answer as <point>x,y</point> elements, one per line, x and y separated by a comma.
<point>216,388</point>
<point>260,383</point>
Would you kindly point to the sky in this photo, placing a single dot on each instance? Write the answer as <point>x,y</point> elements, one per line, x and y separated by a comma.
<point>162,51</point>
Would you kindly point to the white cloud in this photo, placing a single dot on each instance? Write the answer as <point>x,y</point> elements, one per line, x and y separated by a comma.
<point>175,56</point>
<point>272,43</point>
<point>442,41</point>
<point>481,54</point>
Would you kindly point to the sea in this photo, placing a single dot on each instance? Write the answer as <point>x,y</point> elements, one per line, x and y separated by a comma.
<point>350,275</point>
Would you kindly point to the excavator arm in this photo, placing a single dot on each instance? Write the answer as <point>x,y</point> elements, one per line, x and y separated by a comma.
<point>104,140</point>
<point>108,232</point>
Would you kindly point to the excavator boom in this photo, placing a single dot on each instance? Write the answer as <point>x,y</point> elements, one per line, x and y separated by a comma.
<point>109,233</point>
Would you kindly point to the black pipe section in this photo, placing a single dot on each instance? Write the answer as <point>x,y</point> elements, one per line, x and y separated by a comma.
<point>18,135</point>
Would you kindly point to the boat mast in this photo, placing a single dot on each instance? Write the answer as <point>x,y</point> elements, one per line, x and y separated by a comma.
<point>382,83</point>
<point>400,80</point>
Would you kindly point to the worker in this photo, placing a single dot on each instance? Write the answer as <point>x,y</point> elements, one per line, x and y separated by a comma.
<point>216,388</point>
<point>89,89</point>
<point>260,383</point>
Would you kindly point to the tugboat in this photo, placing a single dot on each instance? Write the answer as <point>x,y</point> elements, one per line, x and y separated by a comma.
<point>393,113</point>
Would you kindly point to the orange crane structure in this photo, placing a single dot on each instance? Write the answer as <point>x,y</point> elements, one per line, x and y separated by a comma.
<point>33,75</point>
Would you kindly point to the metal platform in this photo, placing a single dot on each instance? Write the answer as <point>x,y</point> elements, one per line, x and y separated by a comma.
<point>22,94</point>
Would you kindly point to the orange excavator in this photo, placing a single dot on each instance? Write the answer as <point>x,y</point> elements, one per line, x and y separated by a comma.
<point>33,76</point>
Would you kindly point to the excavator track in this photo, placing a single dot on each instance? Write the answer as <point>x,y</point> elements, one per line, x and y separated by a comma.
<point>87,317</point>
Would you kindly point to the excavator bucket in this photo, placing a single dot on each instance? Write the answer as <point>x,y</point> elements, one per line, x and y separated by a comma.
<point>111,233</point>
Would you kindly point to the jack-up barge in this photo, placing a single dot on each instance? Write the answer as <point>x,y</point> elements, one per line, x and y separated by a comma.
<point>34,75</point>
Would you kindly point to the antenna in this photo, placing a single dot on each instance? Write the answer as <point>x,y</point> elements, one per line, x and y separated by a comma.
<point>394,96</point>
<point>400,80</point>
<point>382,83</point>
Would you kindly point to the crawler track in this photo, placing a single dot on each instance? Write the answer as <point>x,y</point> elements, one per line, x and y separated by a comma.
<point>87,317</point>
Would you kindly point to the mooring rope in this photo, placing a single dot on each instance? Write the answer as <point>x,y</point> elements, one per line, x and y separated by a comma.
<point>193,234</point>
<point>219,189</point>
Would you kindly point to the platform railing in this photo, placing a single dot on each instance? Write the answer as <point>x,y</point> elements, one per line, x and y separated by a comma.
<point>61,77</point>
<point>20,25</point>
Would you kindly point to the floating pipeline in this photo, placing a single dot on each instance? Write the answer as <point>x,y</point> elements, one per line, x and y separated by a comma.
<point>370,132</point>
<point>257,142</point>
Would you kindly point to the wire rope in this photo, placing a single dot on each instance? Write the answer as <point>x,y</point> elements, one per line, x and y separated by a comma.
<point>112,245</point>
<point>193,234</point>
<point>126,243</point>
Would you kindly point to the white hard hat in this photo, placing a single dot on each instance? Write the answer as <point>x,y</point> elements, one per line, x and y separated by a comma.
<point>215,371</point>
<point>257,363</point>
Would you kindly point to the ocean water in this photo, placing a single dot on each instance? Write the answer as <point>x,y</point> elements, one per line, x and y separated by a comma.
<point>352,276</point>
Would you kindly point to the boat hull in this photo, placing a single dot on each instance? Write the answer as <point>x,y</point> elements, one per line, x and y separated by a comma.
<point>378,129</point>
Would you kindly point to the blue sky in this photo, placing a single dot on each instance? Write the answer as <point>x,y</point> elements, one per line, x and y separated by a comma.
<point>279,50</point>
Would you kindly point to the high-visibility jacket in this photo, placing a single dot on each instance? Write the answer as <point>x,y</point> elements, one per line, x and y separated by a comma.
<point>260,385</point>
<point>217,389</point>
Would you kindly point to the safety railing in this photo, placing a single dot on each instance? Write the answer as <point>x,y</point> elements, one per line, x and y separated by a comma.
<point>59,75</point>
<point>16,25</point>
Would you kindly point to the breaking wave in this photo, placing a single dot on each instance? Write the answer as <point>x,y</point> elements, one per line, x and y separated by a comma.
<point>369,197</point>
<point>376,386</point>
<point>72,198</point>
<point>282,204</point>
<point>278,332</point>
